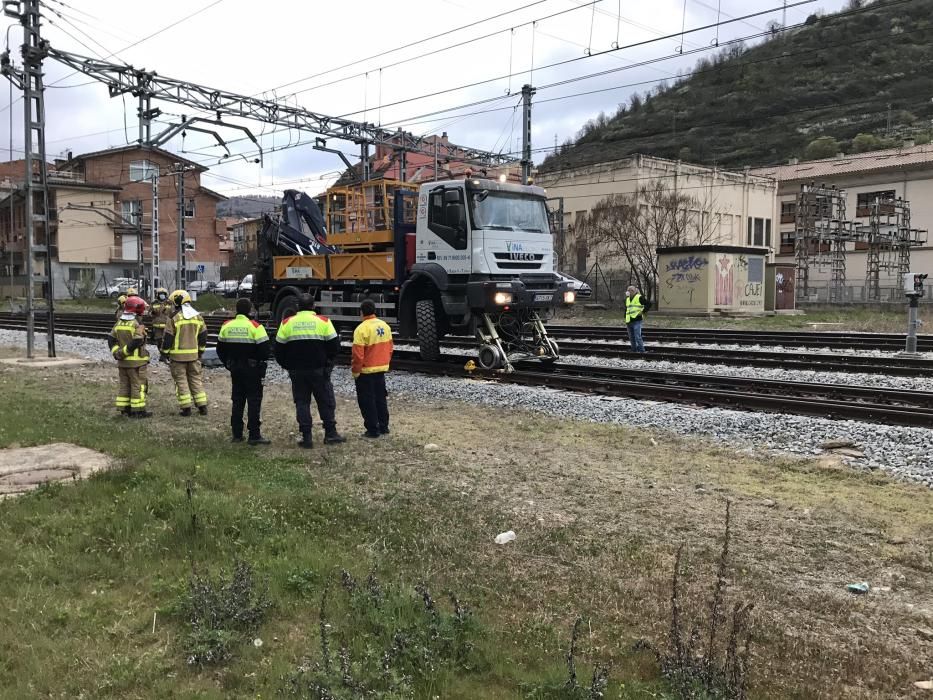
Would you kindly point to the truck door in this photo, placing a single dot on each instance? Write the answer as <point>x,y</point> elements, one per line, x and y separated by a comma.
<point>443,233</point>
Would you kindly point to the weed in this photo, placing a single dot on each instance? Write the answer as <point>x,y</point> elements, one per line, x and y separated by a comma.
<point>716,672</point>
<point>390,644</point>
<point>571,688</point>
<point>222,613</point>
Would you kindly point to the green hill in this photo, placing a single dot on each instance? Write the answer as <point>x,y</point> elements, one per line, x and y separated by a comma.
<point>853,81</point>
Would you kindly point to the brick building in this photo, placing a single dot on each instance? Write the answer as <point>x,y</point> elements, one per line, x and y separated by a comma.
<point>100,204</point>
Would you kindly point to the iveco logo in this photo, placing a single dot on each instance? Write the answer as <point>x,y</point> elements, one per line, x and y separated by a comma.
<point>516,252</point>
<point>521,256</point>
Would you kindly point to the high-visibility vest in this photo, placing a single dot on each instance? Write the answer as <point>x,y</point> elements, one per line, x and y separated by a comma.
<point>242,330</point>
<point>633,307</point>
<point>372,347</point>
<point>188,337</point>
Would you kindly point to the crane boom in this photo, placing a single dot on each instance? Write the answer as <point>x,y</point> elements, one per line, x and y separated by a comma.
<point>121,79</point>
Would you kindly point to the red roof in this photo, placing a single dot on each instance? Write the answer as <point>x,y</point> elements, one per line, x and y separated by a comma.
<point>909,158</point>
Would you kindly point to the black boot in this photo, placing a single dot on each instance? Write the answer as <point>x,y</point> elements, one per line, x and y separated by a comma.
<point>258,440</point>
<point>236,438</point>
<point>141,414</point>
<point>306,441</point>
<point>125,411</point>
<point>185,411</point>
<point>332,437</point>
<point>202,410</point>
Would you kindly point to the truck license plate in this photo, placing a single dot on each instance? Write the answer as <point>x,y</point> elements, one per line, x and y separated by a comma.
<point>543,297</point>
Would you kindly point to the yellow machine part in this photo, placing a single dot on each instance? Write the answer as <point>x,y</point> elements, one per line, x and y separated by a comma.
<point>349,239</point>
<point>356,266</point>
<point>300,267</point>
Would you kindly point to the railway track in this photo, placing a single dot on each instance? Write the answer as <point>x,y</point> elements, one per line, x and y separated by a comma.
<point>705,336</point>
<point>836,401</point>
<point>82,324</point>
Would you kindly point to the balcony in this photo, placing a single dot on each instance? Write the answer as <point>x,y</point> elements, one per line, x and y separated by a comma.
<point>66,176</point>
<point>117,254</point>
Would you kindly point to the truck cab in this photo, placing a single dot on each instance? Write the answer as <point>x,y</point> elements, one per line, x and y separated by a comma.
<point>484,265</point>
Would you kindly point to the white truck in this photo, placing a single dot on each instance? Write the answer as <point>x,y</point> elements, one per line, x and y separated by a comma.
<point>471,256</point>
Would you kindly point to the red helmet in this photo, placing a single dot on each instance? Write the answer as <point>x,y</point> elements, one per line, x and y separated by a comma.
<point>134,305</point>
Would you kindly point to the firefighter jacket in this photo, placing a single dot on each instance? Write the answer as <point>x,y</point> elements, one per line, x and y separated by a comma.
<point>127,342</point>
<point>372,347</point>
<point>242,344</point>
<point>160,311</point>
<point>634,308</point>
<point>307,342</point>
<point>185,335</point>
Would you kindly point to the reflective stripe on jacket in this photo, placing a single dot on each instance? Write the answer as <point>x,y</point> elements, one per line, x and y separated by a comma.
<point>184,339</point>
<point>634,308</point>
<point>242,343</point>
<point>160,312</point>
<point>129,336</point>
<point>306,341</point>
<point>372,347</point>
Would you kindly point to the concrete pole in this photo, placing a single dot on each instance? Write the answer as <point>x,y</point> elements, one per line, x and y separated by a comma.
<point>527,92</point>
<point>912,323</point>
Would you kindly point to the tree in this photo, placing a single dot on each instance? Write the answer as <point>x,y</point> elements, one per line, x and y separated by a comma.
<point>863,143</point>
<point>631,227</point>
<point>823,147</point>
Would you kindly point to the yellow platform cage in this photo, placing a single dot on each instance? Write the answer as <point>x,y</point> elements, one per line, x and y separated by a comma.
<point>361,215</point>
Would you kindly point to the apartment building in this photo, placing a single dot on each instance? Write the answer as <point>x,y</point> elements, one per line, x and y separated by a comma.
<point>905,173</point>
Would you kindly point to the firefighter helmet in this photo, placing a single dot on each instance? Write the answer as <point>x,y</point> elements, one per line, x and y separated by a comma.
<point>134,305</point>
<point>161,294</point>
<point>121,300</point>
<point>132,292</point>
<point>179,297</point>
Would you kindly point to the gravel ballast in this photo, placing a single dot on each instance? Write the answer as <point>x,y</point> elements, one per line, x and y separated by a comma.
<point>901,451</point>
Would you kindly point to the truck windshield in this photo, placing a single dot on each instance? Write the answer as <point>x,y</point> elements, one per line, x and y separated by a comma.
<point>505,211</point>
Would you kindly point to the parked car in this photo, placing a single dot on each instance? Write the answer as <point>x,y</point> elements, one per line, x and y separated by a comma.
<point>227,288</point>
<point>201,286</point>
<point>246,286</point>
<point>117,287</point>
<point>582,289</point>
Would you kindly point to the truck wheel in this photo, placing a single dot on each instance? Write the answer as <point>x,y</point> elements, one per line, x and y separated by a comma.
<point>287,307</point>
<point>428,341</point>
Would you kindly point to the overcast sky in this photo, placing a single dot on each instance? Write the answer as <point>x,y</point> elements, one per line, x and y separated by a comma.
<point>281,47</point>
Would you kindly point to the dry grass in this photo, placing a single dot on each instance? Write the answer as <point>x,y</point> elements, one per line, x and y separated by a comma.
<point>600,511</point>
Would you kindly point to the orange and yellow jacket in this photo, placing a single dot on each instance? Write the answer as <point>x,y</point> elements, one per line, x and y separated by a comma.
<point>372,347</point>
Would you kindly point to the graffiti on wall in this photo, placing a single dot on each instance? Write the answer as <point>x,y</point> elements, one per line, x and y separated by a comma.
<point>682,277</point>
<point>725,277</point>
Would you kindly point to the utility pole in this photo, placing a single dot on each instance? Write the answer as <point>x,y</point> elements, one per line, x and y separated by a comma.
<point>156,272</point>
<point>30,81</point>
<point>527,92</point>
<point>180,271</point>
<point>140,263</point>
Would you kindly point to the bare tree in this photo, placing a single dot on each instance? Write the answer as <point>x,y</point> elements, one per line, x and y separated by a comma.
<point>631,227</point>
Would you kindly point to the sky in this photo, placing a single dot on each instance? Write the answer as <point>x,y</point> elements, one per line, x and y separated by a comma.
<point>365,60</point>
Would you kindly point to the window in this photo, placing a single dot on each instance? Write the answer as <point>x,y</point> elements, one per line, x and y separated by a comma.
<point>189,208</point>
<point>80,274</point>
<point>142,170</point>
<point>190,243</point>
<point>446,217</point>
<point>864,200</point>
<point>759,232</point>
<point>788,212</point>
<point>131,211</point>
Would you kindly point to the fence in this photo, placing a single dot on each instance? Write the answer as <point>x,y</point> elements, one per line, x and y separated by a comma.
<point>858,294</point>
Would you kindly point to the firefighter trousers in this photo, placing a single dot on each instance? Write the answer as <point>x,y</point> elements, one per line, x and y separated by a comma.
<point>189,383</point>
<point>134,385</point>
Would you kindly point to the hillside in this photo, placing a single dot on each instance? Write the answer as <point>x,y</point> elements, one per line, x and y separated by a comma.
<point>836,81</point>
<point>248,207</point>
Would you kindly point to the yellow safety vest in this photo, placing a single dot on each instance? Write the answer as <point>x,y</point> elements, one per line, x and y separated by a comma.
<point>633,307</point>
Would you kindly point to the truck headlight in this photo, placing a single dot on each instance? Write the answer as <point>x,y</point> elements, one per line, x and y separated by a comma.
<point>570,297</point>
<point>502,298</point>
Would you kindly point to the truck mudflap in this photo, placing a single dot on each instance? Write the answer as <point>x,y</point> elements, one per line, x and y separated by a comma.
<point>513,336</point>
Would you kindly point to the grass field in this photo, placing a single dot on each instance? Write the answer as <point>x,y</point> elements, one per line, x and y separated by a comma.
<point>111,586</point>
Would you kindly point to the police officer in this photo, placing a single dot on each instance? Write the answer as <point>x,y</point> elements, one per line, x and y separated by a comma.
<point>160,311</point>
<point>183,343</point>
<point>372,353</point>
<point>243,347</point>
<point>306,345</point>
<point>127,343</point>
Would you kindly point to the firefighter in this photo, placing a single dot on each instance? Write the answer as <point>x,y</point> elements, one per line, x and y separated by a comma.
<point>372,353</point>
<point>160,310</point>
<point>127,342</point>
<point>183,342</point>
<point>121,306</point>
<point>306,345</point>
<point>243,347</point>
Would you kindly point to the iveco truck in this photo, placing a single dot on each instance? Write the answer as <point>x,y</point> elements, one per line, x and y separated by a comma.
<point>460,257</point>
